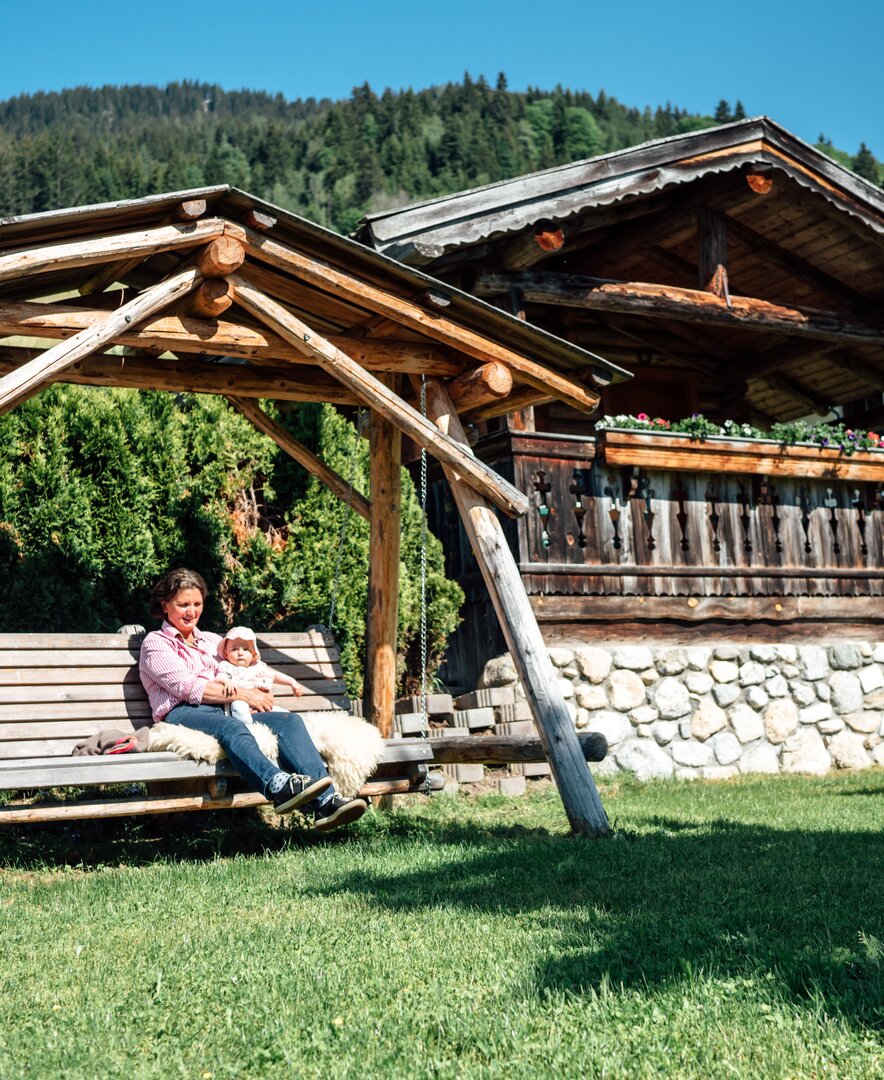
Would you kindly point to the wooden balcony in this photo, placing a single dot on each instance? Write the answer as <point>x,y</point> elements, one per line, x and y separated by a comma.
<point>642,534</point>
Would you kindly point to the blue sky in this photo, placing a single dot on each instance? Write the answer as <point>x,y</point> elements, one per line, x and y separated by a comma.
<point>813,66</point>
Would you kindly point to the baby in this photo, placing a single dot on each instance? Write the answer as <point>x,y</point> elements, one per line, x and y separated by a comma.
<point>241,664</point>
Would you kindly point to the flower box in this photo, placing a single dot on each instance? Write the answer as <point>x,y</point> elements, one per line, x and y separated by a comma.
<point>716,453</point>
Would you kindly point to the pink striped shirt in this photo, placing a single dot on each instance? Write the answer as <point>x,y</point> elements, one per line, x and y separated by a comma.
<point>172,672</point>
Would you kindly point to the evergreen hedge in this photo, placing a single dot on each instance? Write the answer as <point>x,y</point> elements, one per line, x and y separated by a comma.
<point>103,490</point>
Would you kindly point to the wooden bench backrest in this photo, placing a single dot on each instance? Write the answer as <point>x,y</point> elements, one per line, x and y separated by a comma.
<point>58,689</point>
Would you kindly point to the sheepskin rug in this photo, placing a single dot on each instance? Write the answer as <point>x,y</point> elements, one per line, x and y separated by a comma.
<point>350,747</point>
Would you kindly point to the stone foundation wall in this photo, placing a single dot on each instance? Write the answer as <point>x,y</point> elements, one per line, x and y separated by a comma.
<point>718,711</point>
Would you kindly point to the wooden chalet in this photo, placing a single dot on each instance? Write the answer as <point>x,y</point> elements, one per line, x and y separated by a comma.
<point>212,291</point>
<point>736,272</point>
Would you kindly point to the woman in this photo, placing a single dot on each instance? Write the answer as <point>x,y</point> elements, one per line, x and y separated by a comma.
<point>179,670</point>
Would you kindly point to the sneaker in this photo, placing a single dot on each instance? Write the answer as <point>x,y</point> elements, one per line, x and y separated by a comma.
<point>298,790</point>
<point>338,811</point>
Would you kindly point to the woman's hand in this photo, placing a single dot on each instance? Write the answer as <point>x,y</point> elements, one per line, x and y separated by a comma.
<point>257,700</point>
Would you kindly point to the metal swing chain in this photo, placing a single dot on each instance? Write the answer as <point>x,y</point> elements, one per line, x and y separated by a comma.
<point>345,522</point>
<point>423,623</point>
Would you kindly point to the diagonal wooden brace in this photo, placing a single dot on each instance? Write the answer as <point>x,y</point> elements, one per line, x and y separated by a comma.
<point>379,397</point>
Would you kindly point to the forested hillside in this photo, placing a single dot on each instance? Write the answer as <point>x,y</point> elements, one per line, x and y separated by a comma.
<point>330,161</point>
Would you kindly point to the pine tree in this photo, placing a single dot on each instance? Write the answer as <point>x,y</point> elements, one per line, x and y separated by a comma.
<point>865,164</point>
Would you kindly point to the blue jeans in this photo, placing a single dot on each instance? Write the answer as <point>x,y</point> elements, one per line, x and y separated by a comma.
<point>297,753</point>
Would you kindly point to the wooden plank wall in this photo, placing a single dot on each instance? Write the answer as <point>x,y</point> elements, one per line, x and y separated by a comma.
<point>598,530</point>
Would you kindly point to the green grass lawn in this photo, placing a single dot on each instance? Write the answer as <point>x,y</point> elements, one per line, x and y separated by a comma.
<point>726,930</point>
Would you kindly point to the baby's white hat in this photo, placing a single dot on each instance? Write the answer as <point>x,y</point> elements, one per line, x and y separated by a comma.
<point>242,633</point>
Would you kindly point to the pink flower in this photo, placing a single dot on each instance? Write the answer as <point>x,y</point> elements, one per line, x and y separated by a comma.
<point>643,416</point>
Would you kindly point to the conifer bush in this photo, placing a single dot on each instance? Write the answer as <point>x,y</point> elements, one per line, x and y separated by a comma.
<point>103,490</point>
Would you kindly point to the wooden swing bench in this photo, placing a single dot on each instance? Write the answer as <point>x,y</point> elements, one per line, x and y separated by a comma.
<point>57,690</point>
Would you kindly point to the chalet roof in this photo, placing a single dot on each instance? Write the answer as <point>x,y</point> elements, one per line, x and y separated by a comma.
<point>334,313</point>
<point>613,254</point>
<point>422,233</point>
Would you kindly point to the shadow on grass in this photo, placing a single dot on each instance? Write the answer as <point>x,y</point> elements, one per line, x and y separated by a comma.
<point>800,908</point>
<point>650,908</point>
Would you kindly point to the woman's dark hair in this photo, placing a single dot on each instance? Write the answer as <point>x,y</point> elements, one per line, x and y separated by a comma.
<point>171,583</point>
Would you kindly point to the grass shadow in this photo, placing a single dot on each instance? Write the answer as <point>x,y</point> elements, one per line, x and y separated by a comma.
<point>662,906</point>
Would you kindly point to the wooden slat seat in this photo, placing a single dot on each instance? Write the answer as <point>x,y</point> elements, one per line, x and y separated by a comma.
<point>57,690</point>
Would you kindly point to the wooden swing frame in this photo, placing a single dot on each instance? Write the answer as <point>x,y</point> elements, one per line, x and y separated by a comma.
<point>316,318</point>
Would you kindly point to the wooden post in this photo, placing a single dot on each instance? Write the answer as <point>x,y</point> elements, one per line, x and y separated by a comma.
<point>501,575</point>
<point>385,441</point>
<point>712,261</point>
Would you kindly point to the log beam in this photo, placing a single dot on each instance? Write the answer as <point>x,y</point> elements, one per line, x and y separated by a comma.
<point>256,416</point>
<point>543,239</point>
<point>523,638</point>
<point>190,335</point>
<point>380,398</point>
<point>28,379</point>
<point>382,619</point>
<point>69,254</point>
<point>221,257</point>
<point>523,398</point>
<point>480,386</point>
<point>507,749</point>
<point>685,305</point>
<point>212,298</point>
<point>407,312</point>
<point>189,210</point>
<point>139,372</point>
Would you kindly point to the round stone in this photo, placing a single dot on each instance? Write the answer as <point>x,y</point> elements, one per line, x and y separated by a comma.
<point>757,697</point>
<point>760,757</point>
<point>633,658</point>
<point>691,753</point>
<point>698,682</point>
<point>590,696</point>
<point>664,731</point>
<point>594,664</point>
<point>802,693</point>
<point>751,674</point>
<point>865,722</point>
<point>626,690</point>
<point>708,719</point>
<point>501,671</point>
<point>725,693</point>
<point>724,671</point>
<point>644,759</point>
<point>845,657</point>
<point>813,714</point>
<point>671,699</point>
<point>614,726</point>
<point>847,693</point>
<point>813,661</point>
<point>871,678</point>
<point>805,752</point>
<point>698,657</point>
<point>747,724</point>
<point>848,751</point>
<point>726,747</point>
<point>780,720</point>
<point>560,657</point>
<point>672,661</point>
<point>777,687</point>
